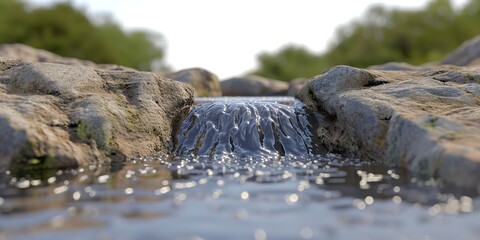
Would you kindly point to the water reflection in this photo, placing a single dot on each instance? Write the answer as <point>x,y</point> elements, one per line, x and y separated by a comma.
<point>288,197</point>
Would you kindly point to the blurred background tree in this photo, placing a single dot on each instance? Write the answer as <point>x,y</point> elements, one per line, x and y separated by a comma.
<point>67,31</point>
<point>382,35</point>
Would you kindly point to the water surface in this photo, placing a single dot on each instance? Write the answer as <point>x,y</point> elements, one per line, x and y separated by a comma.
<point>224,195</point>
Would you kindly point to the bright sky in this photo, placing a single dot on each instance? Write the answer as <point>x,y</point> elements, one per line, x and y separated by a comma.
<point>226,36</point>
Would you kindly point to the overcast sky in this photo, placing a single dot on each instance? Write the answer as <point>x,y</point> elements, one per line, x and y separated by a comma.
<point>225,36</point>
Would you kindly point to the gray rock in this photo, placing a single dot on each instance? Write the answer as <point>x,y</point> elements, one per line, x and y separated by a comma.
<point>394,66</point>
<point>468,52</point>
<point>30,54</point>
<point>427,121</point>
<point>205,83</point>
<point>295,85</point>
<point>57,115</point>
<point>253,86</point>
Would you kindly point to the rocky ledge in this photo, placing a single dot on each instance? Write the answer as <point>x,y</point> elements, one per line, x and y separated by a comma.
<point>427,120</point>
<point>63,115</point>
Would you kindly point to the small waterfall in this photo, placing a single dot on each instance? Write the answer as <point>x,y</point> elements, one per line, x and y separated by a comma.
<point>246,127</point>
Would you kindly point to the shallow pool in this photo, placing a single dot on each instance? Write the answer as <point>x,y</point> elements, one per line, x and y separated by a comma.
<point>324,197</point>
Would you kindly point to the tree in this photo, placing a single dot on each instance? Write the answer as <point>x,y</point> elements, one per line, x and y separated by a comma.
<point>67,31</point>
<point>290,62</point>
<point>383,35</point>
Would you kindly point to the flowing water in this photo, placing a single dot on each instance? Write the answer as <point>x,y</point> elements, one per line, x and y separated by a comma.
<point>253,173</point>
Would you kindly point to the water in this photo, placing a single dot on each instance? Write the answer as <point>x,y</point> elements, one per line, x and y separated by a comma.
<point>247,127</point>
<point>226,196</point>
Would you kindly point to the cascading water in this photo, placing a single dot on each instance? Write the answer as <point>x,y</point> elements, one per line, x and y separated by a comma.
<point>247,127</point>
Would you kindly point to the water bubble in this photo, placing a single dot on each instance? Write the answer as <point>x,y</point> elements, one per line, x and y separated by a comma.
<point>374,177</point>
<point>51,180</point>
<point>23,183</point>
<point>76,195</point>
<point>396,189</point>
<point>128,190</point>
<point>244,195</point>
<point>397,199</point>
<point>162,190</point>
<point>179,198</point>
<point>183,185</point>
<point>319,181</point>
<point>260,234</point>
<point>216,194</point>
<point>434,210</point>
<point>203,181</point>
<point>60,189</point>
<point>466,204</point>
<point>83,178</point>
<point>35,182</point>
<point>291,198</point>
<point>359,204</point>
<point>220,182</point>
<point>369,200</point>
<point>303,185</point>
<point>2,201</point>
<point>306,233</point>
<point>103,178</point>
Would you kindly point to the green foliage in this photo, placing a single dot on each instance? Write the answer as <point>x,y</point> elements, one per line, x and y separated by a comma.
<point>382,35</point>
<point>67,31</point>
<point>288,62</point>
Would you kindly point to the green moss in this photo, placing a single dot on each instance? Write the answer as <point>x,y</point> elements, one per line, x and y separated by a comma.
<point>82,131</point>
<point>431,123</point>
<point>40,167</point>
<point>132,119</point>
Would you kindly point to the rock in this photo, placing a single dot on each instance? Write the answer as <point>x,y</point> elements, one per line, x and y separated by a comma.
<point>295,85</point>
<point>427,121</point>
<point>394,66</point>
<point>57,115</point>
<point>30,54</point>
<point>468,52</point>
<point>253,86</point>
<point>206,84</point>
<point>475,63</point>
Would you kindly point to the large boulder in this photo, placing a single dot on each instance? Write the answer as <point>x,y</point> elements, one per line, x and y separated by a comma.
<point>57,115</point>
<point>395,66</point>
<point>30,54</point>
<point>427,121</point>
<point>253,86</point>
<point>465,54</point>
<point>296,85</point>
<point>205,83</point>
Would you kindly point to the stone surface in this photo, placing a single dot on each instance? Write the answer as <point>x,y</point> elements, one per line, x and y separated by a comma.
<point>205,83</point>
<point>30,54</point>
<point>464,55</point>
<point>253,86</point>
<point>295,85</point>
<point>394,66</point>
<point>427,121</point>
<point>57,115</point>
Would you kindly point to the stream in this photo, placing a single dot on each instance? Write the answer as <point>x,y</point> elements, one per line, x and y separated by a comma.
<point>241,168</point>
